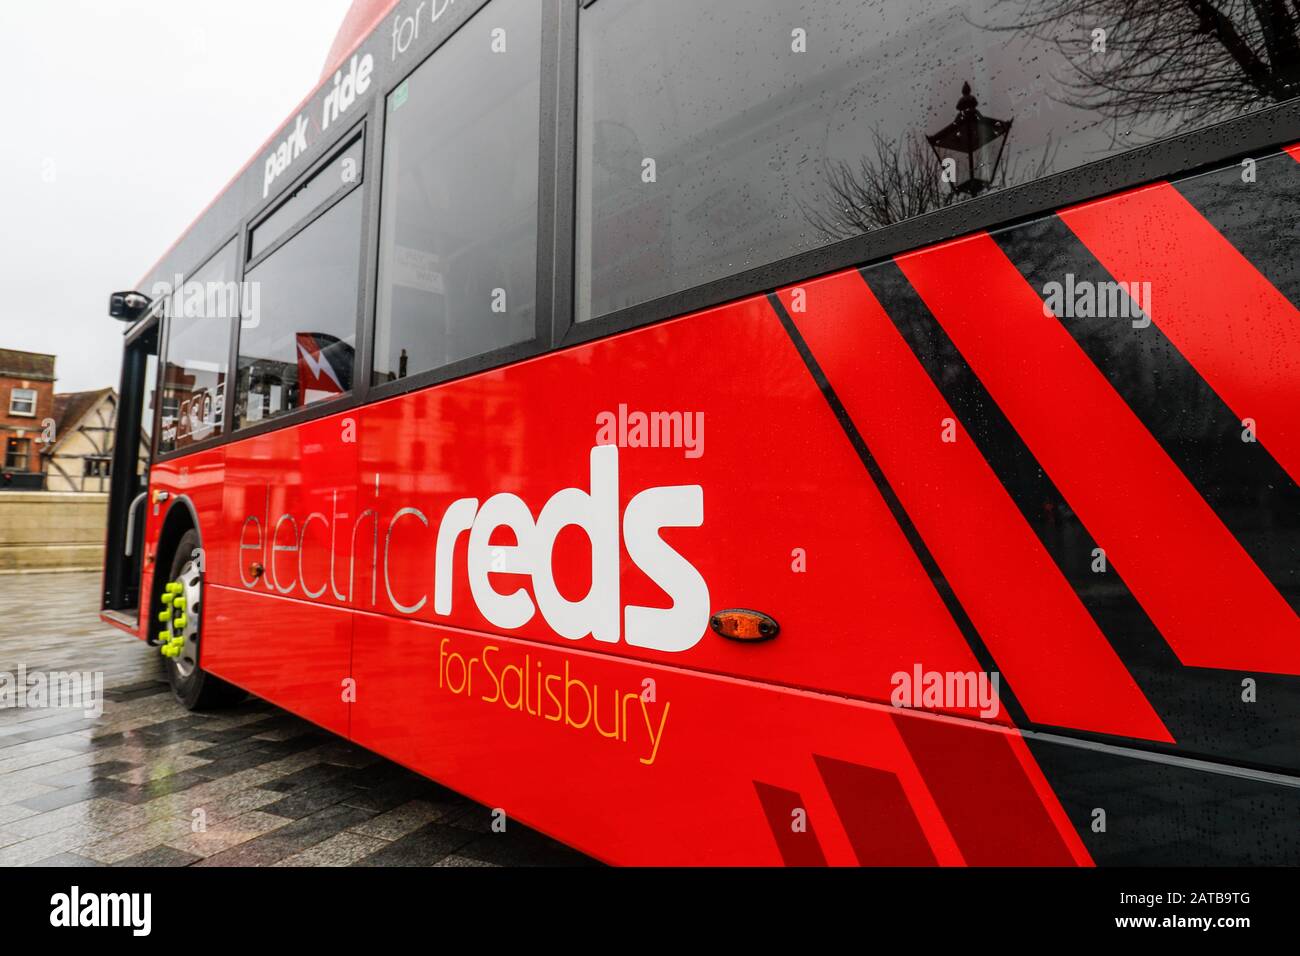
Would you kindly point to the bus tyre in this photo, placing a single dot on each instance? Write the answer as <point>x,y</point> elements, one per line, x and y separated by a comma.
<point>181,616</point>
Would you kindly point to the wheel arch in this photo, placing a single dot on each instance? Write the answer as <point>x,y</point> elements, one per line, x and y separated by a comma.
<point>182,516</point>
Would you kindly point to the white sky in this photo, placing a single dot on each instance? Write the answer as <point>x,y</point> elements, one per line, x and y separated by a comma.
<point>123,119</point>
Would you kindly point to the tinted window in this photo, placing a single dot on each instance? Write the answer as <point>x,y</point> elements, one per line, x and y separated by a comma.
<point>458,252</point>
<point>296,345</point>
<point>718,137</point>
<point>199,317</point>
<point>339,175</point>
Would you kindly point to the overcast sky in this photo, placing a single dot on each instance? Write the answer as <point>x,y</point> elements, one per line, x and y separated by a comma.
<point>123,119</point>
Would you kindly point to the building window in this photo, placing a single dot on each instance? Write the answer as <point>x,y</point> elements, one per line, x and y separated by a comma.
<point>22,401</point>
<point>458,244</point>
<point>17,453</point>
<point>95,467</point>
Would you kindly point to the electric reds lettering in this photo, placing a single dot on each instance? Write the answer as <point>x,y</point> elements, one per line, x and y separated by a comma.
<point>599,614</point>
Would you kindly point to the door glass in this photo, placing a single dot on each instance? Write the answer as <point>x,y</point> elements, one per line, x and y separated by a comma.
<point>129,473</point>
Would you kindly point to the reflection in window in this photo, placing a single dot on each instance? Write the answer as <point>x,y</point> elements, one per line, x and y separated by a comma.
<point>298,347</point>
<point>719,137</point>
<point>458,248</point>
<point>200,315</point>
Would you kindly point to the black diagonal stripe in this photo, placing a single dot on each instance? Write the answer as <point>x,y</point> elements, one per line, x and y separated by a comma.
<point>1193,702</point>
<point>1250,492</point>
<point>1261,218</point>
<point>958,613</point>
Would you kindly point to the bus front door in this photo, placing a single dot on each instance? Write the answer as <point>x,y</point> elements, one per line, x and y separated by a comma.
<point>129,485</point>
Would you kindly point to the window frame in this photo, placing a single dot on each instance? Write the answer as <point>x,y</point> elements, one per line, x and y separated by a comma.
<point>364,283</point>
<point>1266,129</point>
<point>26,445</point>
<point>164,317</point>
<point>548,163</point>
<point>356,132</point>
<point>13,397</point>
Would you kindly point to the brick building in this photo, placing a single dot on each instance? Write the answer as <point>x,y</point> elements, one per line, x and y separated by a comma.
<point>26,411</point>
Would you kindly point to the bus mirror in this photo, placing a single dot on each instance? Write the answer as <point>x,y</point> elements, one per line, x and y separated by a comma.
<point>128,306</point>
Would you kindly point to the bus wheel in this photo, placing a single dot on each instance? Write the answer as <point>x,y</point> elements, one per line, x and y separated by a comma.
<point>181,617</point>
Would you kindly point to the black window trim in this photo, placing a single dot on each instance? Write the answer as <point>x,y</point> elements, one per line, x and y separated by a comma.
<point>548,161</point>
<point>326,406</point>
<point>344,143</point>
<point>1257,134</point>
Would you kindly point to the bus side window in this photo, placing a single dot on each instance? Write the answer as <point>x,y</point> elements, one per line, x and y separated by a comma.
<point>723,136</point>
<point>298,333</point>
<point>199,317</point>
<point>458,243</point>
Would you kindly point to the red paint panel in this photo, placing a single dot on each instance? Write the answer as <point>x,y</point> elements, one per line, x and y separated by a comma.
<point>198,479</point>
<point>1239,332</point>
<point>290,506</point>
<point>798,847</point>
<point>792,523</point>
<point>1060,665</point>
<point>293,653</point>
<point>1294,151</point>
<point>875,812</point>
<point>951,759</point>
<point>1209,600</point>
<point>690,787</point>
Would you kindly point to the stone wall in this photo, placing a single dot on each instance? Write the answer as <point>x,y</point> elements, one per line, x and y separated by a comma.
<point>44,531</point>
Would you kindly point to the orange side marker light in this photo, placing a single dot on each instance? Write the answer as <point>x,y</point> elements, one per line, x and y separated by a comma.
<point>742,624</point>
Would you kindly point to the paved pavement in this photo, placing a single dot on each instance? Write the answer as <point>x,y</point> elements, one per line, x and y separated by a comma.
<point>147,784</point>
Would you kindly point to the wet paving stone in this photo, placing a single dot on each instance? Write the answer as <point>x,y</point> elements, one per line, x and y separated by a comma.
<point>145,784</point>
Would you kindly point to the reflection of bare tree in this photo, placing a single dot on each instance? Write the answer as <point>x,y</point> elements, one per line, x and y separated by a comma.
<point>1168,63</point>
<point>902,181</point>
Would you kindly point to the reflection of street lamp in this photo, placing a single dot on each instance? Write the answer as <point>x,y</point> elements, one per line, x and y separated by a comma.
<point>973,140</point>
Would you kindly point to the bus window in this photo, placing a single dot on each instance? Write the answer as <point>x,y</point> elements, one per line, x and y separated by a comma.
<point>458,246</point>
<point>719,137</point>
<point>296,345</point>
<point>337,177</point>
<point>199,318</point>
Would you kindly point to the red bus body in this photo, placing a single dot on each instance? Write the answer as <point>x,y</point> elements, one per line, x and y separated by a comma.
<point>842,493</point>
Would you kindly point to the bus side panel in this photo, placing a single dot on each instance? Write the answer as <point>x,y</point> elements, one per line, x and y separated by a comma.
<point>199,480</point>
<point>792,521</point>
<point>639,763</point>
<point>295,654</point>
<point>269,626</point>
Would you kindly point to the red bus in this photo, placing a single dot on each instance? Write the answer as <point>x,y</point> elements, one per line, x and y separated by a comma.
<point>756,431</point>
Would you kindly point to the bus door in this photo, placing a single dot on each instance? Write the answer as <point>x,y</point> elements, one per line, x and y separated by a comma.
<point>129,485</point>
